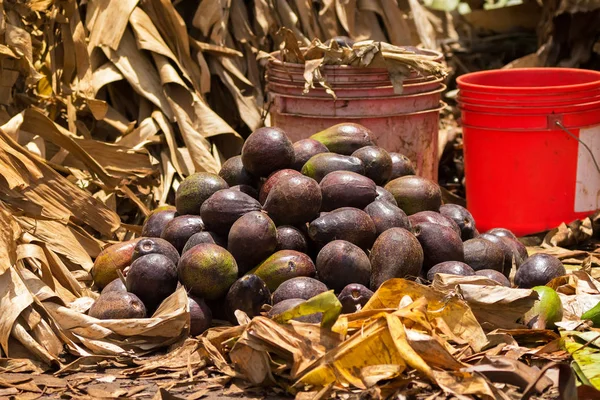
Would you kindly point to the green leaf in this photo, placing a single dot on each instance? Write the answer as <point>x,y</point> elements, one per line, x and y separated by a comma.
<point>326,303</point>
<point>593,315</point>
<point>583,347</point>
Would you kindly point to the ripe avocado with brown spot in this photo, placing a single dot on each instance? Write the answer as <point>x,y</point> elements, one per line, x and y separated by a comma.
<point>207,271</point>
<point>267,150</point>
<point>117,305</point>
<point>195,189</point>
<point>415,193</point>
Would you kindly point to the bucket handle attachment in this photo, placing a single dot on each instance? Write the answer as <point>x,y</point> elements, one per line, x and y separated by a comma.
<point>561,126</point>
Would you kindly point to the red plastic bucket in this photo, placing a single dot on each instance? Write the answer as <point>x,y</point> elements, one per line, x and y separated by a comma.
<point>523,170</point>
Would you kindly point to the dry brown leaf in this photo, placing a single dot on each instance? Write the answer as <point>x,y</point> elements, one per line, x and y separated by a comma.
<point>108,23</point>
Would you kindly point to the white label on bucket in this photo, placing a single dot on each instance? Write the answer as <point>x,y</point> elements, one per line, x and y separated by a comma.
<point>587,187</point>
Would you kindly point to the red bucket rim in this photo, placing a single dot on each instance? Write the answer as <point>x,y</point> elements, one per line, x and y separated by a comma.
<point>506,109</point>
<point>440,107</point>
<point>354,88</point>
<point>466,81</point>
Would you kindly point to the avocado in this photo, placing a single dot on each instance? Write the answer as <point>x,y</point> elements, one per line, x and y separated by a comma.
<point>350,224</point>
<point>204,237</point>
<point>450,267</point>
<point>155,246</point>
<point>272,180</point>
<point>115,286</point>
<point>252,238</point>
<point>301,287</point>
<point>195,189</point>
<point>386,215</point>
<point>180,229</point>
<point>340,263</point>
<point>463,219</point>
<point>546,311</point>
<point>234,173</point>
<point>117,305</point>
<point>322,164</point>
<point>384,195</point>
<point>247,294</point>
<point>401,166</point>
<point>304,149</point>
<point>157,220</point>
<point>152,278</point>
<point>207,271</point>
<point>507,250</point>
<point>346,189</point>
<point>291,303</point>
<point>354,297</point>
<point>113,258</point>
<point>224,207</point>
<point>284,265</point>
<point>377,162</point>
<point>249,190</point>
<point>415,193</point>
<point>345,138</point>
<point>267,150</point>
<point>200,316</point>
<point>396,254</point>
<point>434,218</point>
<point>538,270</point>
<point>291,238</point>
<point>494,275</point>
<point>293,200</point>
<point>483,254</point>
<point>439,243</point>
<point>502,232</point>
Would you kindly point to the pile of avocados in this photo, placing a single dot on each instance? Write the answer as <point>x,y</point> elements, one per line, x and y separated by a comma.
<point>287,221</point>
